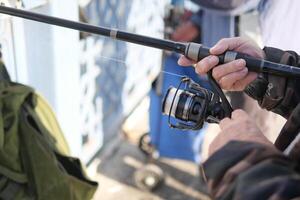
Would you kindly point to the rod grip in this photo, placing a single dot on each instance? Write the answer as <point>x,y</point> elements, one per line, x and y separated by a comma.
<point>253,64</point>
<point>197,52</point>
<point>261,65</point>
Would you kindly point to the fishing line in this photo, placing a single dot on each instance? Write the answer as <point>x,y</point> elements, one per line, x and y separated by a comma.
<point>113,59</point>
<point>124,62</point>
<point>172,74</point>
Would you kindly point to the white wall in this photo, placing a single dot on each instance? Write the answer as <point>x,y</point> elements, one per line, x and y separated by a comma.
<point>280,24</point>
<point>50,58</point>
<point>47,58</point>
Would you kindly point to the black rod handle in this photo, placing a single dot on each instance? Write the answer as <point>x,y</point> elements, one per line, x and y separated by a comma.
<point>197,52</point>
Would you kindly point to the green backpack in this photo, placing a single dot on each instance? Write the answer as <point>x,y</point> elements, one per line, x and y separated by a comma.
<point>34,161</point>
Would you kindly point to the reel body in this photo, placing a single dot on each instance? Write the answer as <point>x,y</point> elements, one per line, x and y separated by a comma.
<point>192,105</point>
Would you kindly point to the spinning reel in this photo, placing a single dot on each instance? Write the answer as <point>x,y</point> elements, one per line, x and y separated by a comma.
<point>192,105</point>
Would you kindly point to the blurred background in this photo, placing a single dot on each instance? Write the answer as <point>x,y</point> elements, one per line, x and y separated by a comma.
<point>107,94</point>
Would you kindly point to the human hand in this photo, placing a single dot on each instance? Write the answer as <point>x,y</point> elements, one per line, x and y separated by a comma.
<point>240,127</point>
<point>186,32</point>
<point>232,76</point>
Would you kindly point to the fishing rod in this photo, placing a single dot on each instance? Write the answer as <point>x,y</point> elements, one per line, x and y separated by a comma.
<point>191,50</point>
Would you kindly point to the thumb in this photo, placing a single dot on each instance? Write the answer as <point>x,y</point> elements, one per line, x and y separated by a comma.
<point>226,44</point>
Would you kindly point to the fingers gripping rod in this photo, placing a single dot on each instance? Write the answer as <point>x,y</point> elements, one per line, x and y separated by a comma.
<point>193,51</point>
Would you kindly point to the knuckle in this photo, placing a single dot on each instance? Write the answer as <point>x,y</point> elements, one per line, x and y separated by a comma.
<point>235,113</point>
<point>223,41</point>
<point>224,83</point>
<point>238,86</point>
<point>243,116</point>
<point>203,66</point>
<point>216,73</point>
<point>238,76</point>
<point>239,112</point>
<point>245,70</point>
<point>230,68</point>
<point>224,122</point>
<point>198,69</point>
<point>228,81</point>
<point>240,63</point>
<point>213,60</point>
<point>221,124</point>
<point>242,74</point>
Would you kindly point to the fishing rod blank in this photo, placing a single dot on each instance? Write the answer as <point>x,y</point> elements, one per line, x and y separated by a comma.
<point>193,51</point>
<point>113,33</point>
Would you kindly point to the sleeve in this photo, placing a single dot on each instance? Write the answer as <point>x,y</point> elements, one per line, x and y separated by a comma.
<point>278,94</point>
<point>255,171</point>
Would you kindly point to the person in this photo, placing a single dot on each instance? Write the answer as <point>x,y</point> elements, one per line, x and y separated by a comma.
<point>222,19</point>
<point>243,163</point>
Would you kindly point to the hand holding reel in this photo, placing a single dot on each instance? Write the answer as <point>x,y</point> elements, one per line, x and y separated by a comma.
<point>192,105</point>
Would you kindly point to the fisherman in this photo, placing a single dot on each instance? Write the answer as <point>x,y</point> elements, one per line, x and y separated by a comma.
<point>243,163</point>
